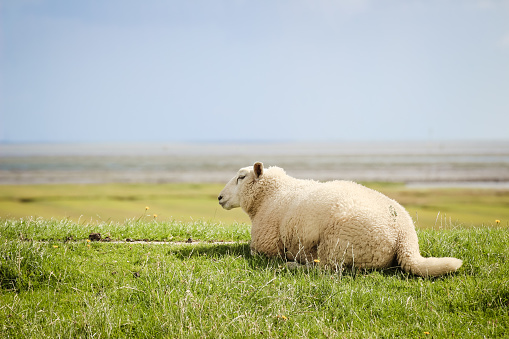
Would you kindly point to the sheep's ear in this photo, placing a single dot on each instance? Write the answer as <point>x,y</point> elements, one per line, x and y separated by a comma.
<point>258,169</point>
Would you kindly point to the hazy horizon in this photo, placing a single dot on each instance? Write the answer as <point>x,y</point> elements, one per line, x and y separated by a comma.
<point>416,147</point>
<point>477,163</point>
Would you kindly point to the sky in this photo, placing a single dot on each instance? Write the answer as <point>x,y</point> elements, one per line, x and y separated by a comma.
<point>270,70</point>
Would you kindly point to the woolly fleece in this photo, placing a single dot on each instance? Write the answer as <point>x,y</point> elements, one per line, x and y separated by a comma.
<point>338,222</point>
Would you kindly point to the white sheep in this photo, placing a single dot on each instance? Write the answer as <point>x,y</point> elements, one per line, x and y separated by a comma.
<point>334,223</point>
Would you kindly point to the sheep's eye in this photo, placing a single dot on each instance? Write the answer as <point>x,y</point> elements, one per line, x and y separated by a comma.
<point>240,178</point>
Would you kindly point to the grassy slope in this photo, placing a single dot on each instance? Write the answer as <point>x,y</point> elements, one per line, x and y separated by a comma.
<point>185,202</point>
<point>81,289</point>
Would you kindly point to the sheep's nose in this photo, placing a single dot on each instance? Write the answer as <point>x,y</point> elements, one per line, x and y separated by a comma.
<point>220,197</point>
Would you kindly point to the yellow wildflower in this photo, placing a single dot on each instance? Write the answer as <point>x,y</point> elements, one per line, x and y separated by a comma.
<point>497,221</point>
<point>316,260</point>
<point>146,208</point>
<point>55,246</point>
<point>88,240</point>
<point>426,332</point>
<point>155,216</point>
<point>284,318</point>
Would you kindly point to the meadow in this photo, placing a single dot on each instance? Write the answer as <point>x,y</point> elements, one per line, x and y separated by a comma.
<point>430,207</point>
<point>55,283</point>
<point>149,282</point>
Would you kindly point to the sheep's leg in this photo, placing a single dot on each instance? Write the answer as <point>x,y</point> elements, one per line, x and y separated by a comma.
<point>292,265</point>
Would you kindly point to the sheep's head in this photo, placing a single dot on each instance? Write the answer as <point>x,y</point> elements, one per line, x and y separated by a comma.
<point>235,191</point>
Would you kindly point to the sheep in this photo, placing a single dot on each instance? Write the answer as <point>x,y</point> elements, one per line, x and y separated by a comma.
<point>335,223</point>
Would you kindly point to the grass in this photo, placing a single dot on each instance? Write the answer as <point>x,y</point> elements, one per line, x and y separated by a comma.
<point>56,284</point>
<point>430,208</point>
<point>116,202</point>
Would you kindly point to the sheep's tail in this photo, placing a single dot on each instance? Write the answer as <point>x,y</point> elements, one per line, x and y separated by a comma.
<point>431,267</point>
<point>410,259</point>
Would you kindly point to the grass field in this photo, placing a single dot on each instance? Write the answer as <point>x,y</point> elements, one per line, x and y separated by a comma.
<point>116,202</point>
<point>430,208</point>
<point>53,283</point>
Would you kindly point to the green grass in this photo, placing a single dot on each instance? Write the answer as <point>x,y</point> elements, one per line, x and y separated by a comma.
<point>66,287</point>
<point>38,229</point>
<point>443,208</point>
<point>430,208</point>
<point>116,202</point>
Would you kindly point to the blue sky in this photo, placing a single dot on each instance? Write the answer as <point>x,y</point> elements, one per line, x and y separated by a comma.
<point>320,70</point>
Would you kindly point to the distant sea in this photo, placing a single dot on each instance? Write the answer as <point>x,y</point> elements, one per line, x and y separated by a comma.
<point>479,163</point>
